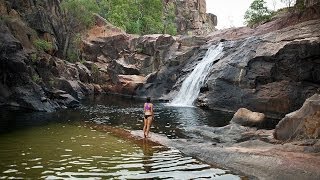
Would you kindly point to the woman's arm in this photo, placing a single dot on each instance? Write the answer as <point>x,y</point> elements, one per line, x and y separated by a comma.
<point>152,110</point>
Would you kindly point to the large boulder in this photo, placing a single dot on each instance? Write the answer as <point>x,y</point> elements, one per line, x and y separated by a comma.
<point>303,123</point>
<point>246,117</point>
<point>72,87</point>
<point>111,47</point>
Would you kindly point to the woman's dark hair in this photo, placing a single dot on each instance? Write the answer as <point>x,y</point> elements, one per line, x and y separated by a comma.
<point>148,99</point>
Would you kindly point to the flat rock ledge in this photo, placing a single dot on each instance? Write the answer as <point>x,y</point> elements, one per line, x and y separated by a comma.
<point>254,158</point>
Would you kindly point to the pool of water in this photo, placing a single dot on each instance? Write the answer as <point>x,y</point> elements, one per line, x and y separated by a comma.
<point>170,121</point>
<point>62,145</point>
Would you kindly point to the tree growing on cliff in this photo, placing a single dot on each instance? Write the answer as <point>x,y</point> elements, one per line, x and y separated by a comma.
<point>139,16</point>
<point>78,16</point>
<point>257,13</point>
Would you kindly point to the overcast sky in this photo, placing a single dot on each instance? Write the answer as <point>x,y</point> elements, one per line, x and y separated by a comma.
<point>230,12</point>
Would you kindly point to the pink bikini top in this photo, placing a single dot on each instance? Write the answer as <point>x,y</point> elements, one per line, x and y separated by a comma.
<point>147,107</point>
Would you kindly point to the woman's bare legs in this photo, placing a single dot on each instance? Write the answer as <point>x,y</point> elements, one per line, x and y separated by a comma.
<point>145,122</point>
<point>149,121</point>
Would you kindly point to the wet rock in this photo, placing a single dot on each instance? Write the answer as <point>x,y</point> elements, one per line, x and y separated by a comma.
<point>246,117</point>
<point>204,89</point>
<point>67,100</point>
<point>32,98</point>
<point>62,98</point>
<point>301,124</point>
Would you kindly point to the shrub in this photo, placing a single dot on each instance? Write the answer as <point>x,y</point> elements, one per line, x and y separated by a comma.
<point>36,78</point>
<point>72,56</point>
<point>34,57</point>
<point>42,45</point>
<point>80,13</point>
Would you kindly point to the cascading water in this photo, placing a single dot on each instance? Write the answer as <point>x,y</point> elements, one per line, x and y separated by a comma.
<point>190,88</point>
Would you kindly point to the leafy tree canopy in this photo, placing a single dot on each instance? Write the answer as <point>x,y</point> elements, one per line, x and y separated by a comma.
<point>257,13</point>
<point>133,16</point>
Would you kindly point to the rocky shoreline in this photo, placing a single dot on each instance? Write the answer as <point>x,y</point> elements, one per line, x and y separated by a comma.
<point>255,158</point>
<point>271,69</point>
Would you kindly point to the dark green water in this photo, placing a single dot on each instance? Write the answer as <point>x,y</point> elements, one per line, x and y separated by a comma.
<point>60,146</point>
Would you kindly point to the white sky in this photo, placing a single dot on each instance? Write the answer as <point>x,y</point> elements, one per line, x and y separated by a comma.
<point>230,13</point>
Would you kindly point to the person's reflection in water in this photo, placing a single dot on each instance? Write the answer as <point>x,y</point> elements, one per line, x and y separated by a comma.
<point>148,153</point>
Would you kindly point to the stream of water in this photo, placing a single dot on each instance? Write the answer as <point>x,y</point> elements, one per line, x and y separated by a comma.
<point>190,87</point>
<point>61,145</point>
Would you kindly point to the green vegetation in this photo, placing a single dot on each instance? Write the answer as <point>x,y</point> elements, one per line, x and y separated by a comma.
<point>36,78</point>
<point>170,16</point>
<point>72,56</point>
<point>52,82</point>
<point>95,73</point>
<point>257,13</point>
<point>79,13</point>
<point>300,6</point>
<point>34,57</point>
<point>133,16</point>
<point>42,45</point>
<point>136,17</point>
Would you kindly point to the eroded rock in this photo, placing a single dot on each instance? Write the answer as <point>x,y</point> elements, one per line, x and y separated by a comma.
<point>303,123</point>
<point>246,117</point>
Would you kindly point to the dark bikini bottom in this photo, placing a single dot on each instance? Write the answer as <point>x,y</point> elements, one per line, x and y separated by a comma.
<point>146,116</point>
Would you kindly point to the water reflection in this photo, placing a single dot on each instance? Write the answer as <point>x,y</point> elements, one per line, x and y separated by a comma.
<point>76,151</point>
<point>147,155</point>
<point>119,112</point>
<point>188,116</point>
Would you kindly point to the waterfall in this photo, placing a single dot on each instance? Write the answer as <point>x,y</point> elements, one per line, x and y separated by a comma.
<point>190,88</point>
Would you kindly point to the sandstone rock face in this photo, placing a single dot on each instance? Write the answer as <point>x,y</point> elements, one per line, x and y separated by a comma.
<point>122,57</point>
<point>246,117</point>
<point>178,64</point>
<point>272,73</point>
<point>192,18</point>
<point>303,123</point>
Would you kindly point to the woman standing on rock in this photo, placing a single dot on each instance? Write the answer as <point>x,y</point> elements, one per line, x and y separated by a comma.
<point>148,117</point>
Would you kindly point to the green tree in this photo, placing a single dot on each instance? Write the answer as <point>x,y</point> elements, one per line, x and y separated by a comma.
<point>78,16</point>
<point>170,26</point>
<point>257,13</point>
<point>133,16</point>
<point>139,16</point>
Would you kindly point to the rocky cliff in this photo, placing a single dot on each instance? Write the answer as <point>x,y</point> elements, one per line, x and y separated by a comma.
<point>271,69</point>
<point>192,18</point>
